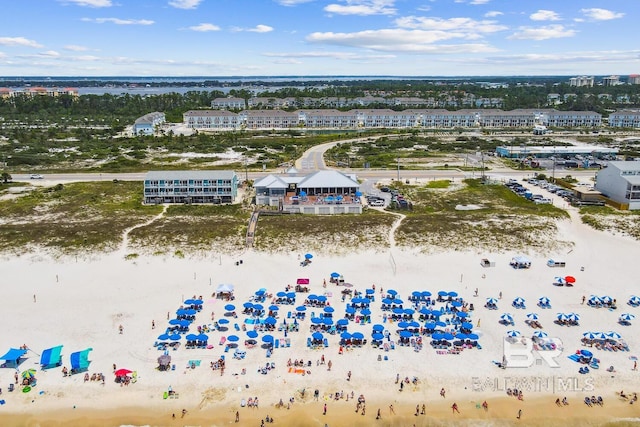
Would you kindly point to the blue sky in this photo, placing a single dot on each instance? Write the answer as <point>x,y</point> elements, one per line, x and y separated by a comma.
<point>319,37</point>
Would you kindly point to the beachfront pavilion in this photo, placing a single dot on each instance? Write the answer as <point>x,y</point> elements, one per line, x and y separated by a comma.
<point>523,151</point>
<point>294,192</point>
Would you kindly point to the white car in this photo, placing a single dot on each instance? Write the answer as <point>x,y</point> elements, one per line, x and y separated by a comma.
<point>36,176</point>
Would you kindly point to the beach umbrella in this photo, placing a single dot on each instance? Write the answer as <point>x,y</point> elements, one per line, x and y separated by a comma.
<point>229,307</point>
<point>316,320</point>
<point>492,301</point>
<point>405,334</point>
<point>570,279</point>
<point>447,336</point>
<point>190,312</point>
<point>613,335</point>
<point>258,307</point>
<point>437,336</point>
<point>573,317</point>
<point>274,308</point>
<point>594,335</point>
<point>467,325</point>
<point>540,334</point>
<point>544,300</point>
<point>349,310</point>
<point>634,300</point>
<point>452,294</point>
<point>518,301</point>
<point>456,304</point>
<point>413,324</point>
<point>377,336</point>
<point>441,324</point>
<point>387,301</point>
<point>365,312</point>
<point>398,310</point>
<point>175,337</point>
<point>425,311</point>
<point>462,314</point>
<point>403,325</point>
<point>184,323</point>
<point>301,308</point>
<point>181,311</point>
<point>163,337</point>
<point>123,372</point>
<point>378,328</point>
<point>28,374</point>
<point>416,294</point>
<point>260,292</point>
<point>291,295</point>
<point>425,294</point>
<point>189,301</point>
<point>252,334</point>
<point>233,338</point>
<point>358,193</point>
<point>328,309</point>
<point>472,337</point>
<point>174,321</point>
<point>225,287</point>
<point>335,275</point>
<point>281,294</point>
<point>626,317</point>
<point>506,317</point>
<point>397,301</point>
<point>267,338</point>
<point>562,316</point>
<point>191,337</point>
<point>357,335</point>
<point>430,325</point>
<point>443,293</point>
<point>248,305</point>
<point>270,320</point>
<point>197,302</point>
<point>345,335</point>
<point>317,336</point>
<point>342,322</point>
<point>327,321</point>
<point>532,316</point>
<point>223,321</point>
<point>586,353</point>
<point>436,313</point>
<point>308,256</point>
<point>461,336</point>
<point>321,298</point>
<point>392,292</point>
<point>513,333</point>
<point>303,193</point>
<point>593,299</point>
<point>606,299</point>
<point>203,337</point>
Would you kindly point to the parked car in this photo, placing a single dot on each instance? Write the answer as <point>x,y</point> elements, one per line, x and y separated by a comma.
<point>36,176</point>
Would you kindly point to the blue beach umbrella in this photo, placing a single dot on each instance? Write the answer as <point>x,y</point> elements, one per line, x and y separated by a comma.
<point>260,292</point>
<point>416,294</point>
<point>327,321</point>
<point>270,321</point>
<point>456,304</point>
<point>392,292</point>
<point>197,302</point>
<point>189,301</point>
<point>301,308</point>
<point>472,337</point>
<point>252,334</point>
<point>335,275</point>
<point>513,334</point>
<point>223,321</point>
<point>440,324</point>
<point>267,338</point>
<point>174,321</point>
<point>430,325</point>
<point>184,323</point>
<point>342,322</point>
<point>163,337</point>
<point>443,293</point>
<point>191,337</point>
<point>350,310</point>
<point>405,334</point>
<point>540,334</point>
<point>413,324</point>
<point>467,325</point>
<point>281,294</point>
<point>308,256</point>
<point>425,311</point>
<point>316,320</point>
<point>518,301</point>
<point>492,301</point>
<point>369,291</point>
<point>544,300</point>
<point>321,298</point>
<point>190,312</point>
<point>403,325</point>
<point>317,336</point>
<point>291,295</point>
<point>203,337</point>
<point>447,336</point>
<point>377,336</point>
<point>532,316</point>
<point>358,193</point>
<point>328,309</point>
<point>613,335</point>
<point>398,310</point>
<point>506,317</point>
<point>229,307</point>
<point>345,335</point>
<point>365,312</point>
<point>462,314</point>
<point>425,294</point>
<point>274,308</point>
<point>452,294</point>
<point>461,336</point>
<point>248,305</point>
<point>378,328</point>
<point>258,307</point>
<point>627,317</point>
<point>634,300</point>
<point>409,311</point>
<point>233,338</point>
<point>174,337</point>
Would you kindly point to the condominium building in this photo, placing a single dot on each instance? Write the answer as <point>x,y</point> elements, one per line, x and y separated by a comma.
<point>611,81</point>
<point>229,103</point>
<point>147,124</point>
<point>211,186</point>
<point>620,181</point>
<point>634,79</point>
<point>581,81</point>
<point>211,119</point>
<point>625,119</point>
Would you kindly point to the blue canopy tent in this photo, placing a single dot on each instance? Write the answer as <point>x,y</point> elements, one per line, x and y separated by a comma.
<point>12,357</point>
<point>51,357</point>
<point>80,360</point>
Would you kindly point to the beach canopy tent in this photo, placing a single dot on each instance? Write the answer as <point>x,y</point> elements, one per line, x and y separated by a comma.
<point>164,362</point>
<point>225,287</point>
<point>51,357</point>
<point>12,357</point>
<point>520,261</point>
<point>80,360</point>
<point>302,281</point>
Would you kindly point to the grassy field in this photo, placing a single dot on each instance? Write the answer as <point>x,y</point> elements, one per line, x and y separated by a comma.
<point>611,220</point>
<point>475,215</point>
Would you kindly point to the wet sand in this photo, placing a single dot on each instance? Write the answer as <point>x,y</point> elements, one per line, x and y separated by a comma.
<point>502,412</point>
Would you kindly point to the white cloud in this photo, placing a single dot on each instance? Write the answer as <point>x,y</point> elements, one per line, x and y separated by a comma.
<point>400,40</point>
<point>597,14</point>
<point>493,14</point>
<point>566,57</point>
<point>362,7</point>
<point>292,2</point>
<point>327,54</point>
<point>185,4</point>
<point>76,48</point>
<point>205,27</point>
<point>90,3</point>
<point>542,33</point>
<point>50,54</point>
<point>544,15</point>
<point>18,41</point>
<point>119,21</point>
<point>261,29</point>
<point>477,2</point>
<point>458,25</point>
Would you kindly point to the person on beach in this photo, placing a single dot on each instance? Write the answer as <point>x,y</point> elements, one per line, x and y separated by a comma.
<point>329,365</point>
<point>184,412</point>
<point>485,405</point>
<point>121,329</point>
<point>237,416</point>
<point>378,416</point>
<point>417,410</point>
<point>635,365</point>
<point>442,392</point>
<point>454,408</point>
<point>424,409</point>
<point>397,378</point>
<point>583,299</point>
<point>519,414</point>
<point>391,410</point>
<point>349,376</point>
<point>324,409</point>
<point>153,324</point>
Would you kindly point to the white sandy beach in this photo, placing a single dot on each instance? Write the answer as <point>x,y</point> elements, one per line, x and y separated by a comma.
<point>80,303</point>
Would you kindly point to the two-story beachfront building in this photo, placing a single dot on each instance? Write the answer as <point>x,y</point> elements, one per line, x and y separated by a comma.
<point>620,181</point>
<point>147,124</point>
<point>625,119</point>
<point>211,186</point>
<point>211,119</point>
<point>229,103</point>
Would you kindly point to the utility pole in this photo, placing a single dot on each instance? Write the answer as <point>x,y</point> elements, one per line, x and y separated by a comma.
<point>553,173</point>
<point>246,170</point>
<point>398,159</point>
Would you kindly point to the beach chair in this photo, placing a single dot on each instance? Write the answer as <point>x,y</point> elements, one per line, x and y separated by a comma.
<point>325,342</point>
<point>276,343</point>
<point>236,326</point>
<point>309,342</point>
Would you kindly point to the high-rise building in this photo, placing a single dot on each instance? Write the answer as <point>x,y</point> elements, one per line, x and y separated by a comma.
<point>611,81</point>
<point>634,79</point>
<point>581,81</point>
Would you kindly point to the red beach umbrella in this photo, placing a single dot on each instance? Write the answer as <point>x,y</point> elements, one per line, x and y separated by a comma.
<point>123,372</point>
<point>570,279</point>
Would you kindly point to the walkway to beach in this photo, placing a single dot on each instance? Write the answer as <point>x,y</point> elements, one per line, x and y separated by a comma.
<point>125,233</point>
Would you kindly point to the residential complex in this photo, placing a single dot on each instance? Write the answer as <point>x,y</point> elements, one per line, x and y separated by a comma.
<point>386,118</point>
<point>38,91</point>
<point>147,124</point>
<point>581,81</point>
<point>620,181</point>
<point>210,186</point>
<point>229,103</point>
<point>625,119</point>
